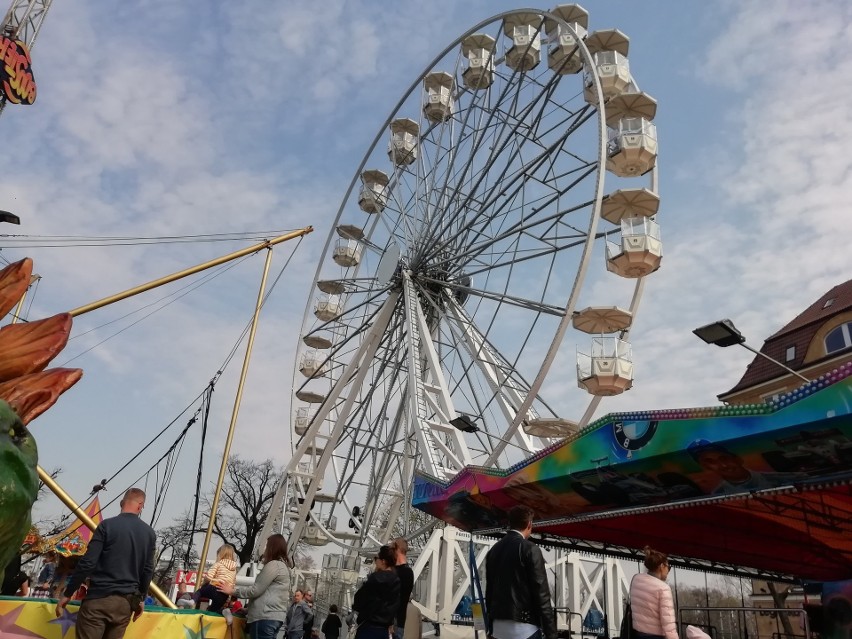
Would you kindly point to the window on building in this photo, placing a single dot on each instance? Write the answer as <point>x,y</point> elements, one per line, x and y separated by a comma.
<point>791,353</point>
<point>839,338</point>
<point>828,302</point>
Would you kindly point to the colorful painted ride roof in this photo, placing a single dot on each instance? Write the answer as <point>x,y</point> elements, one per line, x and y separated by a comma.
<point>764,486</point>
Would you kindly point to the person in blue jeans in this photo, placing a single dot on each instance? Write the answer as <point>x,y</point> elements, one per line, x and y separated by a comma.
<point>269,596</point>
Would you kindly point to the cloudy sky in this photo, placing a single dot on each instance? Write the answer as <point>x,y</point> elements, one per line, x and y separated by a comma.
<point>164,118</point>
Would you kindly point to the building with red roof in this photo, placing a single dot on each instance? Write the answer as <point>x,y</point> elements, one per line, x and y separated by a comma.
<point>817,341</point>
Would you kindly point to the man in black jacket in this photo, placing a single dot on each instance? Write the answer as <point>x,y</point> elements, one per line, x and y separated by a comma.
<point>120,563</point>
<point>406,584</point>
<point>517,595</point>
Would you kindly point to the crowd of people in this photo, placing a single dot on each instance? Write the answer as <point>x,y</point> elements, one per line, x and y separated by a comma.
<point>517,591</point>
<point>50,583</point>
<point>113,577</point>
<point>119,563</point>
<point>380,604</point>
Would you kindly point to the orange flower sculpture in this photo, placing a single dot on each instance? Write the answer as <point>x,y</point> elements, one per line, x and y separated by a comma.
<point>26,391</point>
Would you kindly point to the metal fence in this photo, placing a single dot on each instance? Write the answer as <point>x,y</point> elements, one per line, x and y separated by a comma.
<point>740,622</point>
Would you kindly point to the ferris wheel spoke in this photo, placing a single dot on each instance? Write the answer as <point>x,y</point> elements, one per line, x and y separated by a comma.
<point>522,226</point>
<point>463,336</point>
<point>506,134</point>
<point>519,182</point>
<point>530,305</point>
<point>484,130</point>
<point>474,229</point>
<point>481,256</point>
<point>365,352</point>
<point>363,326</point>
<point>352,285</point>
<point>376,483</point>
<point>359,414</point>
<point>509,389</point>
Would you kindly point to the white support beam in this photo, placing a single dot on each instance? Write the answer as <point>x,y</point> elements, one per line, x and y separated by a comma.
<point>443,450</point>
<point>580,581</point>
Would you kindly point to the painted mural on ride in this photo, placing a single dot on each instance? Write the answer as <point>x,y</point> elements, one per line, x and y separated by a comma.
<point>657,457</point>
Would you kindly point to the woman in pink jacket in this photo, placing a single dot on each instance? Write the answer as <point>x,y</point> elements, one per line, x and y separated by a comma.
<point>651,599</point>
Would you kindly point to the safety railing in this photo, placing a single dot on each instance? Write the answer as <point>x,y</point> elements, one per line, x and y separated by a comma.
<point>572,630</point>
<point>741,612</point>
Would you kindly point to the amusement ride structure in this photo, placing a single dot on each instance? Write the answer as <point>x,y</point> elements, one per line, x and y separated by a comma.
<point>522,157</point>
<point>22,23</point>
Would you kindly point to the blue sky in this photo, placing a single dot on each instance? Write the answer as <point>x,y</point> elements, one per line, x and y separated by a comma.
<point>158,118</point>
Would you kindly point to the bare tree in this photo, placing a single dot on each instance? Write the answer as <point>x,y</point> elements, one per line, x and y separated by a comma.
<point>305,562</point>
<point>724,624</point>
<point>779,593</point>
<point>172,544</point>
<point>244,504</point>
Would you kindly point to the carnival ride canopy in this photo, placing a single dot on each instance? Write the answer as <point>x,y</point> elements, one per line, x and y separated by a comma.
<point>757,490</point>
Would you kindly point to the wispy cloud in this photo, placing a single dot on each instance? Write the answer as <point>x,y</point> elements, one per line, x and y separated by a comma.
<point>174,118</point>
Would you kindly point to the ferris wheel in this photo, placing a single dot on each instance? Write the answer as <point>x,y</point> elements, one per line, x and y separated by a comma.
<point>455,269</point>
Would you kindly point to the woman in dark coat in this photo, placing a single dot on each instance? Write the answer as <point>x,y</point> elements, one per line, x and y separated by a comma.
<point>377,600</point>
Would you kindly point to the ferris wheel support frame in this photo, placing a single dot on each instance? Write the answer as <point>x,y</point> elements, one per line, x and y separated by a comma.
<point>427,389</point>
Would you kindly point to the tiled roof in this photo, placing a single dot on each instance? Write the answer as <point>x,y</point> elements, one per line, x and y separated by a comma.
<point>818,311</point>
<point>798,333</point>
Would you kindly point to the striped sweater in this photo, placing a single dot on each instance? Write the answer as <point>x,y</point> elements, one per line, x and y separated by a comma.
<point>223,571</point>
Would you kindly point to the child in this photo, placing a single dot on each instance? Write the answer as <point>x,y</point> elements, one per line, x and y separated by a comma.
<point>44,581</point>
<point>331,626</point>
<point>223,571</point>
<point>233,606</point>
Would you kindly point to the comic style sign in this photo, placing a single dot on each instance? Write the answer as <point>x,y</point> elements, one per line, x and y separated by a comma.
<point>16,74</point>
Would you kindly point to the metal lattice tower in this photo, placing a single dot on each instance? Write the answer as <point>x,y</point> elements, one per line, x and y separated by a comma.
<point>23,22</point>
<point>24,18</point>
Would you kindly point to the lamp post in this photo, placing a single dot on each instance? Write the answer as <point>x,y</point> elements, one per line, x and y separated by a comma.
<point>723,333</point>
<point>466,424</point>
<point>10,218</point>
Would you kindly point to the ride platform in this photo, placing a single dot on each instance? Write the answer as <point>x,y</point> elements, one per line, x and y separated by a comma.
<point>763,486</point>
<point>22,617</point>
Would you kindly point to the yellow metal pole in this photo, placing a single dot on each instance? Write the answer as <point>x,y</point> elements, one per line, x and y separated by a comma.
<point>81,514</point>
<point>189,271</point>
<point>17,315</point>
<point>214,507</point>
<point>20,306</point>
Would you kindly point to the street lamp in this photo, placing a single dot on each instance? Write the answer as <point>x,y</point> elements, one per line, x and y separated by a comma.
<point>464,423</point>
<point>11,218</point>
<point>723,333</point>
